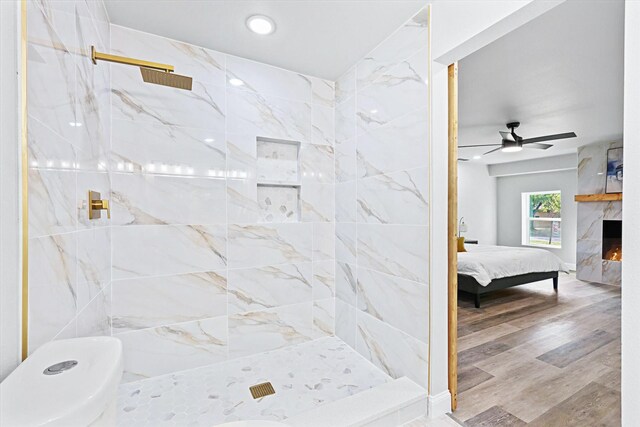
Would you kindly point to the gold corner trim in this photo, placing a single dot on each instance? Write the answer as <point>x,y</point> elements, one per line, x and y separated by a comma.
<point>25,182</point>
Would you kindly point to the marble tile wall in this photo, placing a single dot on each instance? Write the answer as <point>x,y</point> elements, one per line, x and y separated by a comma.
<point>382,203</point>
<point>68,143</point>
<point>592,169</point>
<point>203,271</point>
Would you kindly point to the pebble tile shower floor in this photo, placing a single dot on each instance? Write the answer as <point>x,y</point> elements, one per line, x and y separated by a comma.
<point>303,376</point>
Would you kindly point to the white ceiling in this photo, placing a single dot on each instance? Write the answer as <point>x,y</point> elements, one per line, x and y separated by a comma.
<point>562,72</point>
<point>318,38</point>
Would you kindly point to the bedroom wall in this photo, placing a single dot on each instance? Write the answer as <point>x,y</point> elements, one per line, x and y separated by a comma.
<point>477,202</point>
<point>509,198</point>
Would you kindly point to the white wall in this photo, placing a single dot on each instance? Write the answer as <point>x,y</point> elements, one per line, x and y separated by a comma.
<point>631,212</point>
<point>510,189</point>
<point>477,202</point>
<point>9,190</point>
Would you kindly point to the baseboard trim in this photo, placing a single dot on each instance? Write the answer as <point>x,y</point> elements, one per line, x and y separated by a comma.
<point>439,404</point>
<point>572,267</point>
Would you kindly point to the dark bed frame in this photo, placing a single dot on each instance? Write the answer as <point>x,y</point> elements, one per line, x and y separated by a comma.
<point>470,285</point>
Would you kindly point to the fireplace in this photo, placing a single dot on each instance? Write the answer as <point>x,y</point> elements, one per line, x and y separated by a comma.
<point>612,240</point>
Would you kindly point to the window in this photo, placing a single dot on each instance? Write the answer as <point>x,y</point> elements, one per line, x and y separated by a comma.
<point>542,219</point>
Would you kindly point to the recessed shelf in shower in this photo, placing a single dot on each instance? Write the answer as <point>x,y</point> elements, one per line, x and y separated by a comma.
<point>278,179</point>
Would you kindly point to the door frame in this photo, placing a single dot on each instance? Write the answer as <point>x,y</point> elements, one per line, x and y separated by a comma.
<point>452,240</point>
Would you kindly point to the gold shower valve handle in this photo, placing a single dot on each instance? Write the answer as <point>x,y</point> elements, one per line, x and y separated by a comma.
<point>96,205</point>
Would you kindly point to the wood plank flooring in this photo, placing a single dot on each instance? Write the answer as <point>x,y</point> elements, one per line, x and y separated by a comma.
<point>530,356</point>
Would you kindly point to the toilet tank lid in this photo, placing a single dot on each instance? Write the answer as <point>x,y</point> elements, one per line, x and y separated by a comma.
<point>76,396</point>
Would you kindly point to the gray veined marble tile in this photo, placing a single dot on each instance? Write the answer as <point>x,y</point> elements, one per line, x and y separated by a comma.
<point>399,91</point>
<point>93,94</point>
<point>154,250</point>
<point>345,120</point>
<point>323,124</point>
<point>611,272</point>
<point>323,92</point>
<point>93,259</point>
<point>260,288</point>
<point>269,81</point>
<point>52,207</point>
<point>346,283</point>
<point>53,261</point>
<point>590,216</point>
<point>150,148</point>
<point>156,301</point>
<point>157,351</point>
<point>255,245</point>
<point>52,73</point>
<point>270,329</point>
<point>203,65</point>
<point>345,160</point>
<point>317,163</point>
<point>48,150</point>
<point>592,167</point>
<point>391,350</point>
<point>51,308</point>
<point>324,280</point>
<point>346,322</point>
<point>345,86</point>
<point>403,43</point>
<point>394,249</point>
<point>324,312</point>
<point>589,260</point>
<point>253,114</point>
<point>324,241</point>
<point>346,242</point>
<point>346,201</point>
<point>399,145</point>
<point>52,286</point>
<point>396,198</point>
<point>156,199</point>
<point>318,201</point>
<point>203,107</point>
<point>94,319</point>
<point>381,295</point>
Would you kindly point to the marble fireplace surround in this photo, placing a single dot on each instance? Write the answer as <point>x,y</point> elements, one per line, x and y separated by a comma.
<point>590,265</point>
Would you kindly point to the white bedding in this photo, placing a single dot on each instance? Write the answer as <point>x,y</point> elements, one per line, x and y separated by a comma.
<point>485,263</point>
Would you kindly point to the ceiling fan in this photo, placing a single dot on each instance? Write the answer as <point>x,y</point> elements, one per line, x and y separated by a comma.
<point>512,143</point>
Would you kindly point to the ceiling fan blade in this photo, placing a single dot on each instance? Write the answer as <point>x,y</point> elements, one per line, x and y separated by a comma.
<point>495,149</point>
<point>481,145</point>
<point>538,146</point>
<point>549,137</point>
<point>463,160</point>
<point>507,136</point>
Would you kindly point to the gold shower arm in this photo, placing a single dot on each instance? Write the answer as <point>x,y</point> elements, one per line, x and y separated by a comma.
<point>99,56</point>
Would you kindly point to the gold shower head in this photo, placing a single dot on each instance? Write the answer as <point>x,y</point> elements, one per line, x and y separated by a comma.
<point>166,78</point>
<point>152,72</point>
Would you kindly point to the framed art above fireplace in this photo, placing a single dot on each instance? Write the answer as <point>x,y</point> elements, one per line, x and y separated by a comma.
<point>614,170</point>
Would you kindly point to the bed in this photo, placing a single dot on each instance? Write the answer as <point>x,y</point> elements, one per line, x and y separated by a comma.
<point>484,268</point>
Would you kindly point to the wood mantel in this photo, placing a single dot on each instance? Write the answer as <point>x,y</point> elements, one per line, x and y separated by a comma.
<point>613,197</point>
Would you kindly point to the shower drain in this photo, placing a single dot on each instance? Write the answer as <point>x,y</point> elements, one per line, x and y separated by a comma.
<point>261,390</point>
<point>59,368</point>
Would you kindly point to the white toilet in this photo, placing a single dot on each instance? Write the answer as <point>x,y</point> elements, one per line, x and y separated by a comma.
<point>66,383</point>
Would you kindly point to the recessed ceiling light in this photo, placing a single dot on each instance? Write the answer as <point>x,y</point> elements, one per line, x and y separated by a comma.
<point>261,24</point>
<point>477,157</point>
<point>235,82</point>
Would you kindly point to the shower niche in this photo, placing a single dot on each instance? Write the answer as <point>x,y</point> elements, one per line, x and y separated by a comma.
<point>278,180</point>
